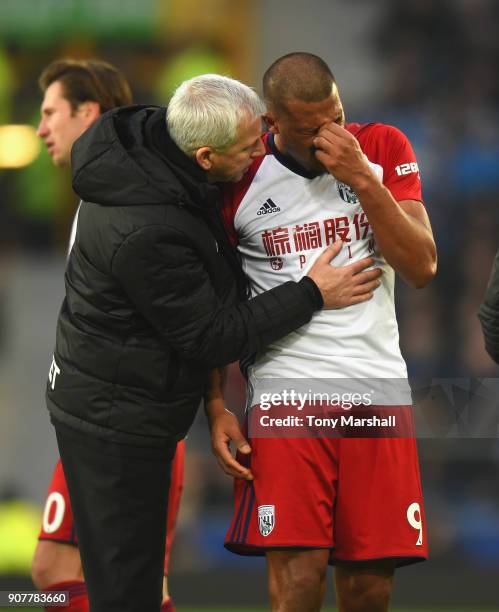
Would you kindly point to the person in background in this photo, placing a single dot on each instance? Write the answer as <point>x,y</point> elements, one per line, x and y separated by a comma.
<point>75,94</point>
<point>489,312</point>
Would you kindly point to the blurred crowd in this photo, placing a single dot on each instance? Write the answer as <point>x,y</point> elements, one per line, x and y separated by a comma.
<point>441,87</point>
<point>439,83</point>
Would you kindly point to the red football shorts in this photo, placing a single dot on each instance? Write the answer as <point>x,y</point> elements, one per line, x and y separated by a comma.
<point>57,522</point>
<point>359,497</point>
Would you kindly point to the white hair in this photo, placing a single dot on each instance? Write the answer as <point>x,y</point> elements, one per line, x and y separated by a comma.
<point>205,112</point>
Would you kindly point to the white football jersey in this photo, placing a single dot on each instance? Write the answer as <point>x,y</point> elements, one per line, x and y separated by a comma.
<point>282,220</point>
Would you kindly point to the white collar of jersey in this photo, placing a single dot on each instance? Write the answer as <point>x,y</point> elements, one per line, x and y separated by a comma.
<point>289,162</point>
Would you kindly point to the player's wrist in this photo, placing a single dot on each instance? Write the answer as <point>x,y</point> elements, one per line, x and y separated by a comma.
<point>365,182</point>
<point>214,408</point>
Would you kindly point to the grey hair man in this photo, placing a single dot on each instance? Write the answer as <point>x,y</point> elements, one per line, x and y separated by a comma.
<point>217,121</point>
<point>155,299</point>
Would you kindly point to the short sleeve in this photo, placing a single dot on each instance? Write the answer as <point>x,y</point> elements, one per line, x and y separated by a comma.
<point>400,166</point>
<point>390,148</point>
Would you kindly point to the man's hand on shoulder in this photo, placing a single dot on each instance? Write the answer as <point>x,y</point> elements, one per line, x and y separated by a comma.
<point>347,285</point>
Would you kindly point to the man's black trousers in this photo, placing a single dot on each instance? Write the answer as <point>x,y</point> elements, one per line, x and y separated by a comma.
<point>119,496</point>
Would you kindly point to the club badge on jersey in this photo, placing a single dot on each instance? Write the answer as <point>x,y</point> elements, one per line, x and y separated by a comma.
<point>347,194</point>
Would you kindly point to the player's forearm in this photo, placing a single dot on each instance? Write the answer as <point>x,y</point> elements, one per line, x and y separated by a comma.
<point>214,402</point>
<point>405,242</point>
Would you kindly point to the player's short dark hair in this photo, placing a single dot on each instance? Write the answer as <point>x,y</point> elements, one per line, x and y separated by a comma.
<point>297,76</point>
<point>88,81</point>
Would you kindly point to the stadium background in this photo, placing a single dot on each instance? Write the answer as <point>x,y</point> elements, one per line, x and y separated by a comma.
<point>426,66</point>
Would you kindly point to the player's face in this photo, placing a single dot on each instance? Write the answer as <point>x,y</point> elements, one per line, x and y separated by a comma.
<point>231,165</point>
<point>296,124</point>
<point>60,126</point>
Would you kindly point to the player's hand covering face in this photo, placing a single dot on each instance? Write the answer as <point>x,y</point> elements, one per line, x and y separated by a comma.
<point>340,153</point>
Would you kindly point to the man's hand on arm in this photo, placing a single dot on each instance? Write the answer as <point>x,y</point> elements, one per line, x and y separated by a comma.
<point>225,430</point>
<point>402,229</point>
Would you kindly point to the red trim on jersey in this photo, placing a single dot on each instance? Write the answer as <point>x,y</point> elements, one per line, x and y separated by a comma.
<point>233,194</point>
<point>389,147</point>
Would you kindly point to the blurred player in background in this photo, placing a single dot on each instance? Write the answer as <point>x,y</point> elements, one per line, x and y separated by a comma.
<point>489,313</point>
<point>355,503</point>
<point>76,93</point>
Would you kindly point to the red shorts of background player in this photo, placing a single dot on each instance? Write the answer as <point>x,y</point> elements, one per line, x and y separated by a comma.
<point>359,497</point>
<point>58,525</point>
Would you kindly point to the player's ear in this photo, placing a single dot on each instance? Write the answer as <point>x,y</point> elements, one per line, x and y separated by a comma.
<point>203,157</point>
<point>271,122</point>
<point>89,111</point>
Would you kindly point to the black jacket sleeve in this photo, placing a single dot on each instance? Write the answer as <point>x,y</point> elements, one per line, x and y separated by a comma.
<point>489,313</point>
<point>166,279</point>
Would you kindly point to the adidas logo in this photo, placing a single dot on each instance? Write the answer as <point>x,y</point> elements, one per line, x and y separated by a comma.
<point>268,207</point>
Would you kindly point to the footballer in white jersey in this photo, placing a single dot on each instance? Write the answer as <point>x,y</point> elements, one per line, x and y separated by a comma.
<point>344,488</point>
<point>359,498</point>
<point>282,219</point>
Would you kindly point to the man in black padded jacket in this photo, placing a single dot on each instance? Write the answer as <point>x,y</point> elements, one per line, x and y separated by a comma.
<point>153,304</point>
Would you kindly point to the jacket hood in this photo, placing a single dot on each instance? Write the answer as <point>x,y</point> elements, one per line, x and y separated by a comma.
<point>127,158</point>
